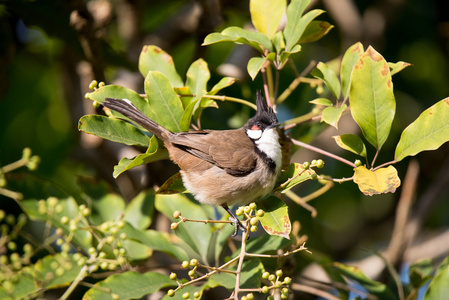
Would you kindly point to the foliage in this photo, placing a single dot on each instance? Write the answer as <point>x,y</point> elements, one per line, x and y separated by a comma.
<point>97,239</point>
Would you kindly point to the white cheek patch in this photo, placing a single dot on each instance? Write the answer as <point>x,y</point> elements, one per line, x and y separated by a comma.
<point>254,134</point>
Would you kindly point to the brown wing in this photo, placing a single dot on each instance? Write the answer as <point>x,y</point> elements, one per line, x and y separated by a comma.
<point>230,150</point>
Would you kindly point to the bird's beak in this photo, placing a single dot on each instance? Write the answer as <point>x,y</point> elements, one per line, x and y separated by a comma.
<point>277,124</point>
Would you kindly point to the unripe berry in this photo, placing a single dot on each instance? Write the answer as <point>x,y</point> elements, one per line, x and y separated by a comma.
<point>279,273</point>
<point>171,293</point>
<point>173,276</point>
<point>265,289</point>
<point>358,163</point>
<point>174,226</point>
<point>306,165</point>
<point>287,280</point>
<point>93,84</point>
<point>253,228</point>
<point>254,221</point>
<point>265,275</point>
<point>193,262</point>
<point>252,205</point>
<point>260,213</point>
<point>176,214</point>
<point>271,277</point>
<point>185,264</point>
<point>186,295</point>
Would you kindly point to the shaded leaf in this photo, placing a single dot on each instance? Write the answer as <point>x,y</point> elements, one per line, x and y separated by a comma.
<point>240,35</point>
<point>21,288</point>
<point>223,83</point>
<point>398,67</point>
<point>254,66</point>
<point>153,153</point>
<point>139,212</point>
<point>107,207</point>
<point>165,106</point>
<point>153,58</point>
<point>325,73</point>
<point>173,185</point>
<point>275,221</point>
<point>428,132</point>
<point>348,62</point>
<point>374,287</point>
<point>46,266</point>
<point>266,15</point>
<point>420,272</point>
<point>331,115</point>
<point>439,287</point>
<point>113,129</point>
<point>155,240</point>
<point>293,175</point>
<point>351,142</point>
<point>129,285</point>
<point>315,31</point>
<point>381,181</point>
<point>371,97</point>
<point>266,244</point>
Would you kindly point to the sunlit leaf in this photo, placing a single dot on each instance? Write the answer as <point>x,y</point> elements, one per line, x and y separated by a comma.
<point>223,83</point>
<point>439,287</point>
<point>240,35</point>
<point>322,102</point>
<point>398,67</point>
<point>113,129</point>
<point>315,31</point>
<point>371,97</point>
<point>275,221</point>
<point>22,287</point>
<point>153,153</point>
<point>165,106</point>
<point>428,132</point>
<point>68,267</point>
<point>197,77</point>
<point>254,66</point>
<point>129,285</point>
<point>297,23</point>
<point>376,288</point>
<point>325,73</point>
<point>351,142</point>
<point>352,55</point>
<point>381,181</point>
<point>331,115</point>
<point>153,58</point>
<point>293,175</point>
<point>266,15</point>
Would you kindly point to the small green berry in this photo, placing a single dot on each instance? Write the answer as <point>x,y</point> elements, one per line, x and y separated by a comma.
<point>186,295</point>
<point>173,276</point>
<point>12,246</point>
<point>254,221</point>
<point>239,211</point>
<point>320,164</point>
<point>26,153</point>
<point>185,264</point>
<point>171,293</point>
<point>314,176</point>
<point>64,220</point>
<point>101,84</point>
<point>260,213</point>
<point>93,84</point>
<point>244,298</point>
<point>196,295</point>
<point>192,273</point>
<point>174,225</point>
<point>121,224</point>
<point>115,296</point>
<point>177,214</point>
<point>91,250</point>
<point>284,296</point>
<point>265,289</point>
<point>271,277</point>
<point>253,228</point>
<point>193,262</point>
<point>123,236</point>
<point>279,273</point>
<point>246,209</point>
<point>306,165</point>
<point>287,280</point>
<point>265,275</point>
<point>252,205</point>
<point>357,163</point>
<point>285,290</point>
<point>250,296</point>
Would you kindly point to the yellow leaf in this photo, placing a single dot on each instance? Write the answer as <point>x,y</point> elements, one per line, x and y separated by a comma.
<point>381,181</point>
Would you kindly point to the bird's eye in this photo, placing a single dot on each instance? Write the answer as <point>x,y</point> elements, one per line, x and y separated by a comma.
<point>257,126</point>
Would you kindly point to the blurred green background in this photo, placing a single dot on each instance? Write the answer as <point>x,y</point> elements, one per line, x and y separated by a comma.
<point>50,50</point>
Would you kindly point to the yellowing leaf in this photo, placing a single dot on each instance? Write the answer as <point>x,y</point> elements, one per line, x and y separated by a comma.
<point>266,15</point>
<point>381,181</point>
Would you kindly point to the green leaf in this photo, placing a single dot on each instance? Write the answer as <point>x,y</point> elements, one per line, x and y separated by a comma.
<point>197,77</point>
<point>275,221</point>
<point>223,83</point>
<point>153,153</point>
<point>240,35</point>
<point>351,142</point>
<point>22,287</point>
<point>331,115</point>
<point>266,15</point>
<point>119,92</point>
<point>371,97</point>
<point>352,55</point>
<point>398,67</point>
<point>108,207</point>
<point>155,240</point>
<point>254,66</point>
<point>153,58</point>
<point>381,181</point>
<point>139,212</point>
<point>266,243</point>
<point>129,285</point>
<point>439,287</point>
<point>428,132</point>
<point>67,265</point>
<point>297,23</point>
<point>315,31</point>
<point>295,174</point>
<point>188,231</point>
<point>374,287</point>
<point>165,106</point>
<point>420,272</point>
<point>325,73</point>
<point>173,185</point>
<point>322,102</point>
<point>69,208</point>
<point>113,129</point>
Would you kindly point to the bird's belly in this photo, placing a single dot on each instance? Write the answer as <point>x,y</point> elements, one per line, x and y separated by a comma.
<point>216,187</point>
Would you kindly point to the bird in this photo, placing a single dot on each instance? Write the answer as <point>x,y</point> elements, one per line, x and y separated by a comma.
<point>220,167</point>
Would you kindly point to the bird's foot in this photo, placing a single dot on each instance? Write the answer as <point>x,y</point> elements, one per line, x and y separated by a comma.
<point>237,225</point>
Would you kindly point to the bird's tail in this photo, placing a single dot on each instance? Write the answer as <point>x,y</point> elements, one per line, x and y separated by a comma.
<point>129,110</point>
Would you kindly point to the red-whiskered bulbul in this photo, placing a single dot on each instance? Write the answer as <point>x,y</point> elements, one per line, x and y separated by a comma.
<point>221,167</point>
